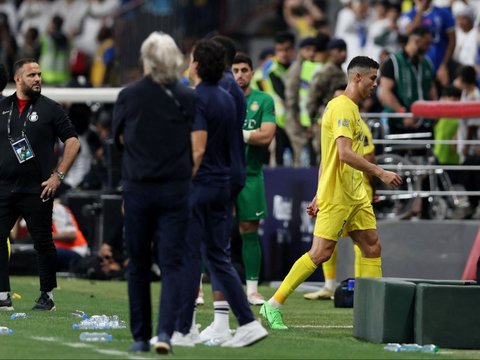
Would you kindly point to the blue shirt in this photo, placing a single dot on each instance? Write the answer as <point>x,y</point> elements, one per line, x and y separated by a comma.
<point>214,110</point>
<point>439,21</point>
<point>238,169</point>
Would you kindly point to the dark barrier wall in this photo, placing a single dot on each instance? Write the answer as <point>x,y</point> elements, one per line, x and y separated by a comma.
<point>287,232</point>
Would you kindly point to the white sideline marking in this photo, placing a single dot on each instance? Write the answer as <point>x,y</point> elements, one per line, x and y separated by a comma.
<point>111,352</point>
<point>77,345</point>
<point>322,326</point>
<point>45,338</point>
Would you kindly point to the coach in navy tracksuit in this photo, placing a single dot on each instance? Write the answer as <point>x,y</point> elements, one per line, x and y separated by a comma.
<point>153,119</point>
<point>210,197</point>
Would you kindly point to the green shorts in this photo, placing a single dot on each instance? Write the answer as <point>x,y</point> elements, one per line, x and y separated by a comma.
<point>251,202</point>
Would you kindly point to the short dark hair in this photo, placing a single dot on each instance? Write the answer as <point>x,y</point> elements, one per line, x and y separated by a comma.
<point>283,37</point>
<point>451,91</point>
<point>467,74</point>
<point>3,77</point>
<point>19,63</point>
<point>362,62</point>
<point>210,56</point>
<point>229,47</point>
<point>243,58</point>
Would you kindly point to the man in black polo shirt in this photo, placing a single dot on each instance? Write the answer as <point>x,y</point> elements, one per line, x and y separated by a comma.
<point>30,178</point>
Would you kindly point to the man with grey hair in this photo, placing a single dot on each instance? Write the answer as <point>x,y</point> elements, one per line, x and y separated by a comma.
<point>152,121</point>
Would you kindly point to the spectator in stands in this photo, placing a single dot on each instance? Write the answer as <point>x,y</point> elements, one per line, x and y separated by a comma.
<point>73,12</point>
<point>446,129</point>
<point>99,13</point>
<point>31,45</point>
<point>298,125</point>
<point>328,78</point>
<point>323,86</point>
<point>301,15</point>
<point>8,44</point>
<point>33,13</point>
<point>355,31</point>
<point>274,84</point>
<point>383,33</point>
<point>102,71</point>
<point>55,54</point>
<point>264,58</point>
<point>157,171</point>
<point>466,34</point>
<point>440,22</point>
<point>408,76</point>
<point>469,129</point>
<point>91,151</point>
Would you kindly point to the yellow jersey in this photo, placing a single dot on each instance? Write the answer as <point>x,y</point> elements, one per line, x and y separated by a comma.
<point>368,148</point>
<point>340,183</point>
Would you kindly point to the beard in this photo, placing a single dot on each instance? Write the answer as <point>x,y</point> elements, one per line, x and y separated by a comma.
<point>32,94</point>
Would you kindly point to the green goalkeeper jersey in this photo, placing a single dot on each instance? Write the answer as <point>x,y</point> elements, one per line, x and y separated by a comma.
<point>260,109</point>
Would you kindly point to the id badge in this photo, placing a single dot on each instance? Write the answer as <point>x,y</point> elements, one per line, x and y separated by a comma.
<point>22,149</point>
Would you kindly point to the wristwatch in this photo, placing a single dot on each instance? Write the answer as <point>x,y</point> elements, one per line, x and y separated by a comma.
<point>60,175</point>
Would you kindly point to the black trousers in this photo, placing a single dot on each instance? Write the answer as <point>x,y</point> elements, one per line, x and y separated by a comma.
<point>38,216</point>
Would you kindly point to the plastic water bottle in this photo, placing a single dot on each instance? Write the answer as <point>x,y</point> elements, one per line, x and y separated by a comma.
<point>287,157</point>
<point>100,322</point>
<point>305,157</point>
<point>392,347</point>
<point>430,348</point>
<point>5,330</point>
<point>351,285</point>
<point>18,316</point>
<point>96,336</point>
<point>80,314</point>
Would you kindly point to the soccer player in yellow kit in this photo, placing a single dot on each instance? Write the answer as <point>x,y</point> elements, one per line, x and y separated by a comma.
<point>330,267</point>
<point>341,204</point>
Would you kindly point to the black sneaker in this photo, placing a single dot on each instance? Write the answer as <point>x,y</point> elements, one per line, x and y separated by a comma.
<point>6,305</point>
<point>44,303</point>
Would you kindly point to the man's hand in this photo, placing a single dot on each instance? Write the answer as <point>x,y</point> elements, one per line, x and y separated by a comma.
<point>391,179</point>
<point>312,208</point>
<point>50,186</point>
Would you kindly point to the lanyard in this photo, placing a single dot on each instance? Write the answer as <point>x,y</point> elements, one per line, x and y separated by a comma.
<point>24,124</point>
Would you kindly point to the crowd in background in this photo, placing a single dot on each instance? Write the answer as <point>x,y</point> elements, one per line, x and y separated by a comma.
<point>429,56</point>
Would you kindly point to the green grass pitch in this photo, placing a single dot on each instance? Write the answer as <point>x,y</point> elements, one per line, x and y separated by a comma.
<point>317,329</point>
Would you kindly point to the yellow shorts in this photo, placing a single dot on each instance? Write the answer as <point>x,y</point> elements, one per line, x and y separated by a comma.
<point>334,221</point>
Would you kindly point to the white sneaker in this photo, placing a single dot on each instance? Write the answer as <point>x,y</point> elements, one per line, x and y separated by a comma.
<point>195,334</point>
<point>255,299</point>
<point>246,335</point>
<point>214,337</point>
<point>322,294</point>
<point>179,339</point>
<point>153,340</point>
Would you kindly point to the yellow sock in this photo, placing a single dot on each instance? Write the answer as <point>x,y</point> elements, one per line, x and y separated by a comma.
<point>371,267</point>
<point>330,267</point>
<point>300,271</point>
<point>358,256</point>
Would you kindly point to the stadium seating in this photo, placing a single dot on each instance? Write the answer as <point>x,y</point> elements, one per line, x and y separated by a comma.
<point>442,312</point>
